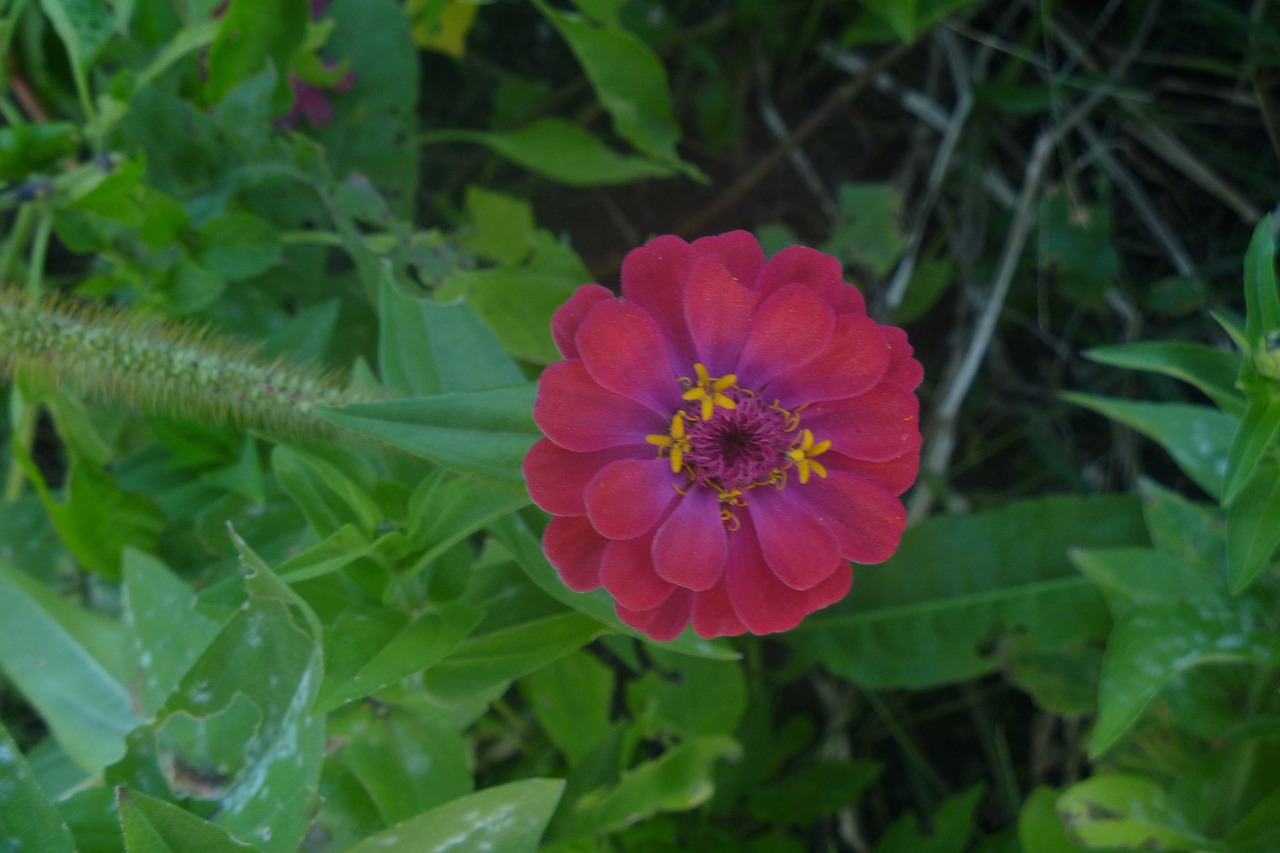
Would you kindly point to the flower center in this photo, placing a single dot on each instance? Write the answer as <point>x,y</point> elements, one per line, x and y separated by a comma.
<point>729,439</point>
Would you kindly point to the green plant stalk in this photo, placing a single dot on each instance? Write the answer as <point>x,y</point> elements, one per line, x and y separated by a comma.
<point>161,366</point>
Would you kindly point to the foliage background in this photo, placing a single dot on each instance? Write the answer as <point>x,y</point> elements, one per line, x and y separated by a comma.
<point>223,628</point>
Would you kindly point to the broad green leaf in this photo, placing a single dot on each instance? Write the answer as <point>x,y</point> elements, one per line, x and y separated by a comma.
<point>1258,430</point>
<point>1150,645</point>
<point>508,818</point>
<point>154,826</point>
<point>27,820</point>
<point>489,662</point>
<point>1261,299</point>
<point>519,537</point>
<point>1211,370</point>
<point>1130,812</point>
<point>340,550</point>
<point>682,778</point>
<point>375,125</point>
<point>927,615</point>
<point>947,831</point>
<point>1193,532</point>
<point>868,234</point>
<point>484,434</point>
<point>167,631</point>
<point>328,497</point>
<point>1040,828</point>
<point>43,655</point>
<point>1133,578</point>
<point>84,26</point>
<point>629,81</point>
<point>518,303</point>
<point>368,648</point>
<point>425,347</point>
<point>688,695</point>
<point>1253,524</point>
<point>1259,829</point>
<point>502,226</point>
<point>900,15</point>
<point>253,33</point>
<point>571,698</point>
<point>564,152</point>
<point>98,520</point>
<point>806,796</point>
<point>406,762</point>
<point>449,510</point>
<point>1197,437</point>
<point>238,245</point>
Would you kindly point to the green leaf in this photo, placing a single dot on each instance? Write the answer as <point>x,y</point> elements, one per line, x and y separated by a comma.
<point>518,303</point>
<point>1132,578</point>
<point>168,632</point>
<point>42,652</point>
<point>406,762</point>
<point>484,434</point>
<point>239,245</point>
<point>449,510</point>
<point>328,497</point>
<point>1259,830</point>
<point>375,125</point>
<point>689,695</point>
<point>868,234</point>
<point>900,15</point>
<point>1150,645</point>
<point>368,648</point>
<point>489,662</point>
<point>947,831</point>
<point>682,778</point>
<point>1211,370</point>
<point>927,615</point>
<point>27,820</point>
<point>803,798</point>
<point>1261,299</point>
<point>517,535</point>
<point>508,818</point>
<point>571,699</point>
<point>1131,812</point>
<point>1259,430</point>
<point>1040,827</point>
<point>564,152</point>
<point>154,826</point>
<point>1197,437</point>
<point>253,33</point>
<point>425,347</point>
<point>1253,525</point>
<point>338,551</point>
<point>629,81</point>
<point>84,26</point>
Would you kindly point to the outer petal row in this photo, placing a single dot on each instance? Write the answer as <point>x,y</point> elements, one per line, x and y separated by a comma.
<point>577,414</point>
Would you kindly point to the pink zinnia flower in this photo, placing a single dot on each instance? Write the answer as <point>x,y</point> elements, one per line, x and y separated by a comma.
<point>724,438</point>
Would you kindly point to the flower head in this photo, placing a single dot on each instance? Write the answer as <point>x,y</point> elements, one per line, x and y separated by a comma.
<point>723,439</point>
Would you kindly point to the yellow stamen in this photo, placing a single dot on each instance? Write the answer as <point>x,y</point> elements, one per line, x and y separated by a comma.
<point>710,391</point>
<point>676,442</point>
<point>803,454</point>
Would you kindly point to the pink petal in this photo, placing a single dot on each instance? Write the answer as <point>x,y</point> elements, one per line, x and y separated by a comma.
<point>790,327</point>
<point>565,322</point>
<point>579,415</point>
<point>557,477</point>
<point>879,425</point>
<point>622,349</point>
<point>713,614</point>
<point>849,300</point>
<point>853,362</point>
<point>895,474</point>
<point>738,251</point>
<point>628,497</point>
<point>763,603</point>
<point>664,622</point>
<point>691,545</point>
<point>819,272</point>
<point>575,549</point>
<point>830,590</point>
<point>654,277</point>
<point>627,573</point>
<point>798,545</point>
<point>873,521</point>
<point>903,369</point>
<point>719,313</point>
